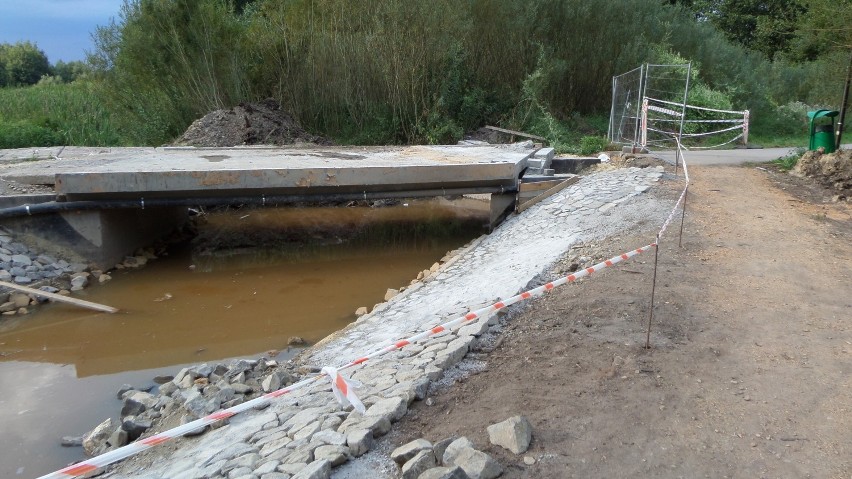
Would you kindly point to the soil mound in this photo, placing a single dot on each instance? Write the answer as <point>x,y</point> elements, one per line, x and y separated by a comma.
<point>263,123</point>
<point>834,170</point>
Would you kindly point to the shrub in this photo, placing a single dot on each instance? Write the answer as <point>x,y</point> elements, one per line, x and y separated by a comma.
<point>593,144</point>
<point>22,134</point>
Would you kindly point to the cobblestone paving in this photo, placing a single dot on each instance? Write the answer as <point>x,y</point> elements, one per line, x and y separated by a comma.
<point>306,433</point>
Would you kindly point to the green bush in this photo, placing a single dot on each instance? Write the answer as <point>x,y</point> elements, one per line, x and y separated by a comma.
<point>23,134</point>
<point>593,144</point>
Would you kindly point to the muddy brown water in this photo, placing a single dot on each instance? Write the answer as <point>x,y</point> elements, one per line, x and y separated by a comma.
<point>252,280</point>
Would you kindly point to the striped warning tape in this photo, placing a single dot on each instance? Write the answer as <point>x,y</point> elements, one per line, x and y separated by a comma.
<point>340,385</point>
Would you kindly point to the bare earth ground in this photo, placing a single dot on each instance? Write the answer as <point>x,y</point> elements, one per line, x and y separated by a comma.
<point>750,371</point>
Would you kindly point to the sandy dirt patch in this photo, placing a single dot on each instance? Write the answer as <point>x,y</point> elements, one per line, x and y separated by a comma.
<point>750,370</point>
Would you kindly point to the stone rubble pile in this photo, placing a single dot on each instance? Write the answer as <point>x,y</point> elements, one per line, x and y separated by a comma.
<point>21,265</point>
<point>194,392</point>
<point>458,458</point>
<point>305,433</point>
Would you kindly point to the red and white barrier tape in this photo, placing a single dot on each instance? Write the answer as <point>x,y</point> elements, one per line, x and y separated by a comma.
<point>342,387</point>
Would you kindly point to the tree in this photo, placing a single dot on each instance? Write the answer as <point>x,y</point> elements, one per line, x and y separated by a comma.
<point>24,63</point>
<point>768,27</point>
<point>71,71</point>
<point>4,77</point>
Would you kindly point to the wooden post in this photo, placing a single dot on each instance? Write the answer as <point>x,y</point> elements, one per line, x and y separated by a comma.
<point>60,298</point>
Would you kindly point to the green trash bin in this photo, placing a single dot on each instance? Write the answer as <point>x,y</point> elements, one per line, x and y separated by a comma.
<point>822,129</point>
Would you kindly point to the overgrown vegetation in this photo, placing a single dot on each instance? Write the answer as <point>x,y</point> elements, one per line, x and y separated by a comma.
<point>789,161</point>
<point>55,114</point>
<point>395,71</point>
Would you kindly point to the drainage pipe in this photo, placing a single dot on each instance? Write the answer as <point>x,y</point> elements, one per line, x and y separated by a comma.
<point>258,200</point>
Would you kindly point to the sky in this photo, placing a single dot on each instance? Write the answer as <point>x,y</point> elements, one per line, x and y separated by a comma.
<point>61,28</point>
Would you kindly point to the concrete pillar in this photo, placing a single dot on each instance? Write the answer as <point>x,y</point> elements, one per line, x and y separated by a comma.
<point>501,205</point>
<point>101,238</point>
<point>105,237</point>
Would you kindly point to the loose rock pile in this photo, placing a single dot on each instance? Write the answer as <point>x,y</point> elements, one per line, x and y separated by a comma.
<point>458,458</point>
<point>192,393</point>
<point>21,265</point>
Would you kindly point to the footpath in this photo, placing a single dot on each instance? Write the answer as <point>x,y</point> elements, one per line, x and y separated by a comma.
<point>308,430</point>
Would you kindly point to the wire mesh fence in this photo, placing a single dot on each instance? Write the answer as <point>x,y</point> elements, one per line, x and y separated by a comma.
<point>649,108</point>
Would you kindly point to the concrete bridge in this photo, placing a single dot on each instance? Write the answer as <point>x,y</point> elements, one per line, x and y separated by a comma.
<point>107,202</point>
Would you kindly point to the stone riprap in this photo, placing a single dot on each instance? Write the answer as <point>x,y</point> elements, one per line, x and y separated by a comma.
<point>304,433</point>
<point>24,266</point>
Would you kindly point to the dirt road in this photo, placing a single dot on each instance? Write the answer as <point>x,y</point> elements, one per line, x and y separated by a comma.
<point>750,371</point>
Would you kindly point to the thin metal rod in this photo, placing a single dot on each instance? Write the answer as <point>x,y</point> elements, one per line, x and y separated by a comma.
<point>683,113</point>
<point>844,104</point>
<point>653,291</point>
<point>682,216</point>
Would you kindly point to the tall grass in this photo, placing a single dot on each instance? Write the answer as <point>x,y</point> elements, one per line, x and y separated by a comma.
<point>55,114</point>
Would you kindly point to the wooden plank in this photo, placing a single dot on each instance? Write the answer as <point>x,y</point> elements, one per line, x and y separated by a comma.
<point>548,193</point>
<point>60,298</point>
<point>538,185</point>
<point>517,133</point>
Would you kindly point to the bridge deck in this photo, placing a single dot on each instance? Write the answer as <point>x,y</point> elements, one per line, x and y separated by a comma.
<point>205,172</point>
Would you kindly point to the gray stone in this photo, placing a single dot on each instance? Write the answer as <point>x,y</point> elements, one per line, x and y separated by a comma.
<point>316,470</point>
<point>21,260</point>
<point>97,437</point>
<point>307,432</point>
<point>269,447</point>
<point>477,464</point>
<point>79,281</point>
<point>392,408</point>
<point>119,438</point>
<point>271,383</point>
<point>276,475</point>
<point>418,464</point>
<point>77,267</point>
<point>18,271</point>
<point>304,454</point>
<point>241,473</point>
<point>292,468</point>
<point>440,447</point>
<point>21,300</point>
<point>5,276</point>
<point>266,467</point>
<point>336,455</point>
<point>135,427</point>
<point>23,280</point>
<point>248,461</point>
<point>45,259</point>
<point>454,472</point>
<point>71,441</point>
<point>330,437</point>
<point>230,452</point>
<point>168,388</point>
<point>454,448</point>
<point>513,434</point>
<point>136,402</point>
<point>359,441</point>
<point>403,453</point>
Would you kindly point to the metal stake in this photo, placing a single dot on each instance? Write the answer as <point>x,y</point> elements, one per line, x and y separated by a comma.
<point>653,290</point>
<point>682,216</point>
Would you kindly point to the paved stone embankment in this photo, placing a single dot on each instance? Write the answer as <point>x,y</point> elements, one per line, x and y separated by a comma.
<point>306,433</point>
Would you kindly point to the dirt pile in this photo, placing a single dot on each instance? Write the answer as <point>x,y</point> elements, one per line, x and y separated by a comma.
<point>263,123</point>
<point>833,170</point>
